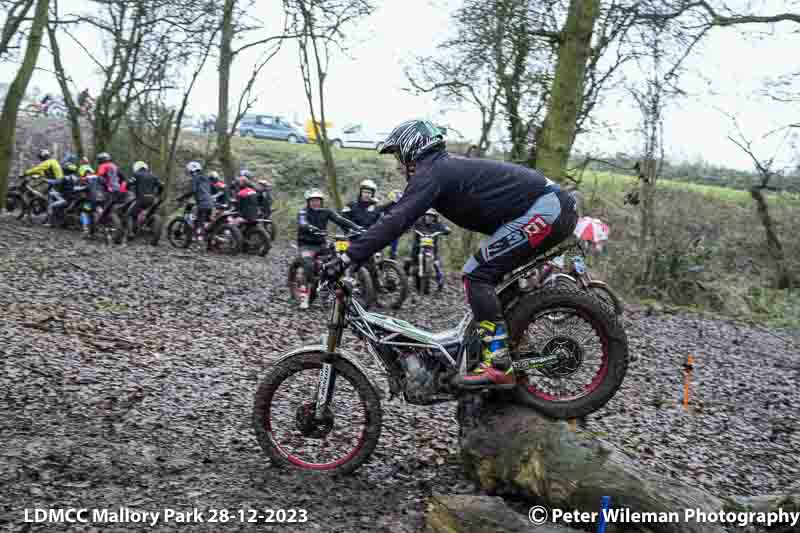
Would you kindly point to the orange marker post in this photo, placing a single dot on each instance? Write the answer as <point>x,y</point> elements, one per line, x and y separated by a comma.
<point>687,376</point>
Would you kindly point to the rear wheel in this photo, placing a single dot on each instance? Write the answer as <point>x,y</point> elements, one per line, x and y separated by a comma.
<point>255,240</point>
<point>590,346</point>
<point>337,442</point>
<point>225,239</point>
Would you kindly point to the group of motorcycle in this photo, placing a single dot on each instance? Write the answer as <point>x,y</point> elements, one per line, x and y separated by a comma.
<point>25,201</point>
<point>382,283</point>
<point>227,232</point>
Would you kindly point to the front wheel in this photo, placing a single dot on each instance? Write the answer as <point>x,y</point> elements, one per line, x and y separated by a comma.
<point>179,233</point>
<point>391,285</point>
<point>287,427</point>
<point>588,351</point>
<point>364,290</point>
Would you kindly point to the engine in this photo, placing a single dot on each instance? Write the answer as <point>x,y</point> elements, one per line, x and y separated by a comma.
<point>422,373</point>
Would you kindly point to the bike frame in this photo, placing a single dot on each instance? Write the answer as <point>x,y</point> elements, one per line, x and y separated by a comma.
<point>377,329</point>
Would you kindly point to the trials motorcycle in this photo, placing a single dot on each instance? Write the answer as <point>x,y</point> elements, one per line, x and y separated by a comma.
<point>319,408</point>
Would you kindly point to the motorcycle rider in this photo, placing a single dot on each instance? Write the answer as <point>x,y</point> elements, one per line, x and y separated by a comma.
<point>312,226</point>
<point>523,213</point>
<point>247,199</point>
<point>110,179</point>
<point>146,187</point>
<point>85,168</point>
<point>60,190</point>
<point>48,169</point>
<point>428,224</point>
<point>219,192</point>
<point>365,211</point>
<point>201,189</point>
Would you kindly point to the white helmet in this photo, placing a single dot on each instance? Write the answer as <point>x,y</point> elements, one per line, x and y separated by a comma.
<point>369,184</point>
<point>140,165</point>
<point>193,166</point>
<point>432,212</point>
<point>314,193</point>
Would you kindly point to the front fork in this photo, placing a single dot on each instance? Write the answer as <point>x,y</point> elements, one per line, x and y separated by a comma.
<point>327,376</point>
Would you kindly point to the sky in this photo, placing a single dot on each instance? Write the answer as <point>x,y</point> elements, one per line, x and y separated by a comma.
<point>367,85</point>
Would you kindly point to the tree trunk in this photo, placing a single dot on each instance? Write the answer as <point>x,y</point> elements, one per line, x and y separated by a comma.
<point>773,243</point>
<point>557,134</point>
<point>479,514</point>
<point>648,214</point>
<point>72,109</point>
<point>16,91</point>
<point>225,62</point>
<point>513,451</point>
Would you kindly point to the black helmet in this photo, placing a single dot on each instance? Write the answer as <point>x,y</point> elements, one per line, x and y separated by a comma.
<point>413,139</point>
<point>44,154</point>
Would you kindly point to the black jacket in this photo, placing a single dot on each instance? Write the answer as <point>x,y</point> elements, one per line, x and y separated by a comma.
<point>365,214</point>
<point>145,183</point>
<point>477,194</point>
<point>310,221</point>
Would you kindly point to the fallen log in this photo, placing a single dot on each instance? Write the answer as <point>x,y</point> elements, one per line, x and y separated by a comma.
<point>479,514</point>
<point>510,450</point>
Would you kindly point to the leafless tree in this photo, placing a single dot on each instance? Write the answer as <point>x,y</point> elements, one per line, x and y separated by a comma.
<point>14,13</point>
<point>16,91</point>
<point>321,26</point>
<point>766,172</point>
<point>235,37</point>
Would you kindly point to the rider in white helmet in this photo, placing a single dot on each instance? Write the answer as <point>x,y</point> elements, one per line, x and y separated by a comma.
<point>312,227</point>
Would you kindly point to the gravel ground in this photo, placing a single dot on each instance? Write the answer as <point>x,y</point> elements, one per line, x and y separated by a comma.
<point>129,373</point>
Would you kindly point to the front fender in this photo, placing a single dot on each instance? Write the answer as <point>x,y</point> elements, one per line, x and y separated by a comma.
<point>344,354</point>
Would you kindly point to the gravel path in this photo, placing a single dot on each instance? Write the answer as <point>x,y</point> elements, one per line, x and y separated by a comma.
<point>128,378</point>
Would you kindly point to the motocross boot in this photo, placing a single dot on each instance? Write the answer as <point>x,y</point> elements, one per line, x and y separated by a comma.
<point>494,370</point>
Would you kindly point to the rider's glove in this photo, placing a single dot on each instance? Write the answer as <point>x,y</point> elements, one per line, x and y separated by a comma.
<point>334,268</point>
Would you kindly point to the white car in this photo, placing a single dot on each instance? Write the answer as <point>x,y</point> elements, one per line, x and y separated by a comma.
<point>357,136</point>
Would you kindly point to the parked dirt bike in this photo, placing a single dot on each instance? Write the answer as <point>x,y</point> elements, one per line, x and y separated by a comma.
<point>26,199</point>
<point>574,272</point>
<point>424,269</point>
<point>220,232</point>
<point>564,370</point>
<point>388,280</point>
<point>147,221</point>
<point>302,290</point>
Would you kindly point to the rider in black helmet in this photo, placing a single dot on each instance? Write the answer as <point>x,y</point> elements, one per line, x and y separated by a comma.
<point>522,212</point>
